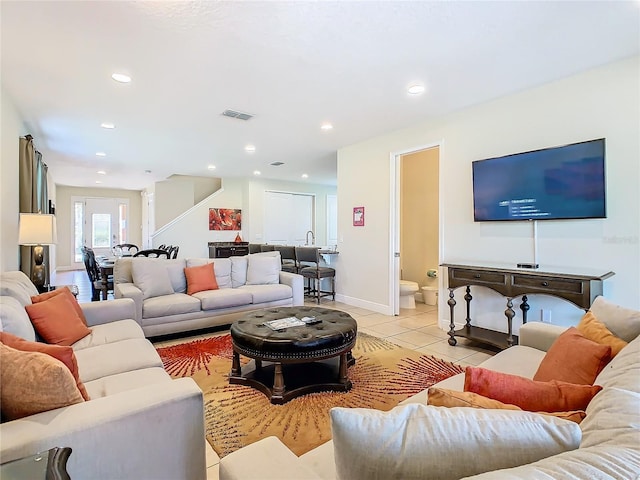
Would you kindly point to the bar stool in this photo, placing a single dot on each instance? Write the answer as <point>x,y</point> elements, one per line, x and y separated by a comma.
<point>308,259</point>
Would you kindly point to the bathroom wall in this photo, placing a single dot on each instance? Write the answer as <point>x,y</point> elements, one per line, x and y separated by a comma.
<point>419,216</point>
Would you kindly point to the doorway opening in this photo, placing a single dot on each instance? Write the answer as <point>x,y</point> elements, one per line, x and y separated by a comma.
<point>415,218</point>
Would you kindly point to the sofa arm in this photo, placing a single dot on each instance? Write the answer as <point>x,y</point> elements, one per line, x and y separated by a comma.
<point>152,432</point>
<point>98,313</point>
<point>539,335</point>
<point>129,290</point>
<point>296,283</point>
<point>265,459</point>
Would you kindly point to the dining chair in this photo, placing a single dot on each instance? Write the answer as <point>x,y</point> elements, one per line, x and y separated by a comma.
<point>125,249</point>
<point>173,251</point>
<point>99,288</point>
<point>309,267</point>
<point>152,253</point>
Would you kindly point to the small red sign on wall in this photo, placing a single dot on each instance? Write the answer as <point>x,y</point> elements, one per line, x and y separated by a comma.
<point>358,216</point>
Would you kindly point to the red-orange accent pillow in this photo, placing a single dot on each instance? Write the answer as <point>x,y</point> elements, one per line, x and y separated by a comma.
<point>200,278</point>
<point>56,320</point>
<point>62,353</point>
<point>573,358</point>
<point>553,396</point>
<point>61,291</point>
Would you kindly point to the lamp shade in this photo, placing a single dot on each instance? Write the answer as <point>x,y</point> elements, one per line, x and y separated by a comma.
<point>37,229</point>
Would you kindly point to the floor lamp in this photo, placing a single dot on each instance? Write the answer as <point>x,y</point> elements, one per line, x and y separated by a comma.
<point>37,229</point>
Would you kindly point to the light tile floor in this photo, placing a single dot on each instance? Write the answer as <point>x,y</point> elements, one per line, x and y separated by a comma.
<point>413,329</point>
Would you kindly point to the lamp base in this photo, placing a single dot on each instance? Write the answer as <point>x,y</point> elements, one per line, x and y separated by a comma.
<point>38,272</point>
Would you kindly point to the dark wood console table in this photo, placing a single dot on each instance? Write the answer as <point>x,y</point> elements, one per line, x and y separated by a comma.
<point>579,288</point>
<point>228,249</point>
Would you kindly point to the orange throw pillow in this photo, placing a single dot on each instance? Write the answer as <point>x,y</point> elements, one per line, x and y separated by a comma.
<point>573,358</point>
<point>34,382</point>
<point>62,353</point>
<point>531,395</point>
<point>56,320</point>
<point>200,278</point>
<point>442,397</point>
<point>61,291</point>
<point>595,330</point>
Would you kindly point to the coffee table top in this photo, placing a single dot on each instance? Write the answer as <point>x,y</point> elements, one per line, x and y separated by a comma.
<point>334,334</point>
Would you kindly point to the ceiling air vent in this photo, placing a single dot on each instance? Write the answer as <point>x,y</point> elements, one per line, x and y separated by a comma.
<point>277,164</point>
<point>238,115</point>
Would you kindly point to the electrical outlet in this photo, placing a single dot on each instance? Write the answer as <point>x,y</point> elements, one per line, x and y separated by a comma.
<point>545,315</point>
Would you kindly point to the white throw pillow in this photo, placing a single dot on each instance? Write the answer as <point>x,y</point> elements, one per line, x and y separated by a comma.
<point>151,276</point>
<point>14,319</point>
<point>418,441</point>
<point>623,322</point>
<point>238,271</point>
<point>175,268</point>
<point>263,269</point>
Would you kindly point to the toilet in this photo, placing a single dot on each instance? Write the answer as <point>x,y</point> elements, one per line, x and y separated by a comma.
<point>407,294</point>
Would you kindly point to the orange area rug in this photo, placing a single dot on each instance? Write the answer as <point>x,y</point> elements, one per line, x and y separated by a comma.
<point>384,374</point>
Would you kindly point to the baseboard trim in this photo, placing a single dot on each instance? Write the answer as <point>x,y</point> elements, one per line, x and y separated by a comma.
<point>358,302</point>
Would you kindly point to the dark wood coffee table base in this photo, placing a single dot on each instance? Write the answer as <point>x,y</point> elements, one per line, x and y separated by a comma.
<point>301,378</point>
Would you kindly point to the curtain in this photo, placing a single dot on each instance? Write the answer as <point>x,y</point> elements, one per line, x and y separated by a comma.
<point>34,197</point>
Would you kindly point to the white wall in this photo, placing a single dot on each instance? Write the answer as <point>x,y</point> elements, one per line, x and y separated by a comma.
<point>11,129</point>
<point>599,103</point>
<point>191,231</point>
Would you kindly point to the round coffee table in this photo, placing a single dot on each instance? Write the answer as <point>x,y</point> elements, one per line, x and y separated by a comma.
<point>303,355</point>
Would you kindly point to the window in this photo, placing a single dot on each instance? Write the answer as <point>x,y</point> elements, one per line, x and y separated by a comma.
<point>101,230</point>
<point>78,230</point>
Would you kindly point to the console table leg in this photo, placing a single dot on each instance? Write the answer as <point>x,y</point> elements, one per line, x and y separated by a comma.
<point>235,365</point>
<point>510,313</point>
<point>278,382</point>
<point>468,298</point>
<point>524,306</point>
<point>452,326</point>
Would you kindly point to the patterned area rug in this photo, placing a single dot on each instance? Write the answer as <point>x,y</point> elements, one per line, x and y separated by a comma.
<point>235,415</point>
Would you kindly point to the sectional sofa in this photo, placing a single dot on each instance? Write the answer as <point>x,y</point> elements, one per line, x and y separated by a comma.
<point>138,422</point>
<point>158,288</point>
<point>442,442</point>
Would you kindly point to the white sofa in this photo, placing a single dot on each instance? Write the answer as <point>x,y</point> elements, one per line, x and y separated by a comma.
<point>138,423</point>
<point>158,287</point>
<point>610,434</point>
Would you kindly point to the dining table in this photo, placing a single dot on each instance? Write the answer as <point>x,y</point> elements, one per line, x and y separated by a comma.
<point>105,264</point>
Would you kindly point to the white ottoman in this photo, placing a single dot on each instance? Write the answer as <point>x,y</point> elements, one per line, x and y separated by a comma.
<point>407,294</point>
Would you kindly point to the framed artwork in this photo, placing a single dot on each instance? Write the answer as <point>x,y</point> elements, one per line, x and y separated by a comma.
<point>358,216</point>
<point>225,219</point>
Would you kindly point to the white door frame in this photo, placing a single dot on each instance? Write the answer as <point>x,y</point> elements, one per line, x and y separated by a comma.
<point>394,217</point>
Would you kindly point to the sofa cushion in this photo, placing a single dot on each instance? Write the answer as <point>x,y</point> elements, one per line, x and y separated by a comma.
<point>268,293</point>
<point>263,269</point>
<point>238,271</point>
<point>623,322</point>
<point>63,353</point>
<point>595,330</point>
<point>221,267</point>
<point>151,276</point>
<point>442,397</point>
<point>223,298</point>
<point>175,268</point>
<point>121,382</point>
<point>173,304</point>
<point>530,395</point>
<point>17,285</point>
<point>624,370</point>
<point>117,357</point>
<point>14,319</point>
<point>573,358</point>
<point>57,321</point>
<point>418,441</point>
<point>61,291</point>
<point>109,333</point>
<point>34,382</point>
<point>122,270</point>
<point>200,278</point>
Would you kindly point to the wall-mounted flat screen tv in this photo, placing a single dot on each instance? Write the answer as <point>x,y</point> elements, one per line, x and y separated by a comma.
<point>565,182</point>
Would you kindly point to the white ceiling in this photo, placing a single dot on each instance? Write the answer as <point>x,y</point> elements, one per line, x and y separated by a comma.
<point>294,65</point>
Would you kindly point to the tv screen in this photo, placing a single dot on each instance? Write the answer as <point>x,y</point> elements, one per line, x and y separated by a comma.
<point>552,183</point>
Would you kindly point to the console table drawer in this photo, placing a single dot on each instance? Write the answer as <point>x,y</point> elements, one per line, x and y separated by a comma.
<point>536,284</point>
<point>476,277</point>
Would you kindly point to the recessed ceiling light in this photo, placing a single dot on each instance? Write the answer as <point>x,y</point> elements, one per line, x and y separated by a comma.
<point>304,175</point>
<point>250,148</point>
<point>101,172</point>
<point>256,172</point>
<point>121,77</point>
<point>415,89</point>
<point>326,127</point>
<point>107,125</point>
<point>211,167</point>
<point>98,181</point>
<point>101,154</point>
<point>147,171</point>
